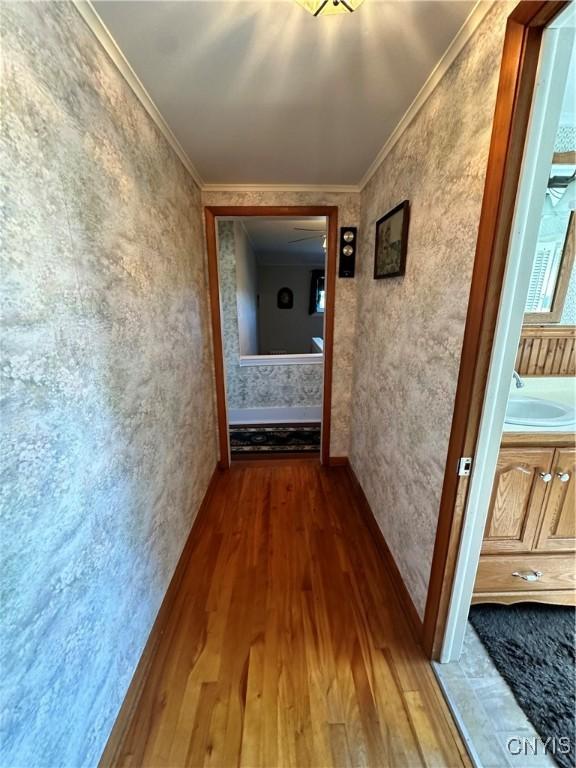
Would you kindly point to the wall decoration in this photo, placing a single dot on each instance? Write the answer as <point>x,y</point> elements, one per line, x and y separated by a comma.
<point>348,244</point>
<point>392,242</point>
<point>285,298</point>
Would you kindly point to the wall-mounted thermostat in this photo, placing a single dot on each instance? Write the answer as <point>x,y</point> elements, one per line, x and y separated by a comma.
<point>348,244</point>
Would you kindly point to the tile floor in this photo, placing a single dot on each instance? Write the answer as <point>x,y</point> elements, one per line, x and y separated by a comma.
<point>486,710</point>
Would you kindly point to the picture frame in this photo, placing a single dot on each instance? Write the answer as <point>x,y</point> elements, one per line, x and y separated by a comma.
<point>285,298</point>
<point>391,243</point>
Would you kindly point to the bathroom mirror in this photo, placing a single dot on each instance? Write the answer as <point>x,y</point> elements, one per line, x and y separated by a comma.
<point>553,268</point>
<point>272,273</point>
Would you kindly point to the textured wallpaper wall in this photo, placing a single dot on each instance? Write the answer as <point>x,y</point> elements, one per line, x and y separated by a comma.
<point>108,431</point>
<point>345,314</point>
<point>409,330</point>
<point>263,386</point>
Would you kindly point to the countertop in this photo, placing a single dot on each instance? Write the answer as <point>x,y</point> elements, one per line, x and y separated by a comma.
<point>560,389</point>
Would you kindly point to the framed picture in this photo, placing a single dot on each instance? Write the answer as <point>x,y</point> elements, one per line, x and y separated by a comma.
<point>285,298</point>
<point>392,242</point>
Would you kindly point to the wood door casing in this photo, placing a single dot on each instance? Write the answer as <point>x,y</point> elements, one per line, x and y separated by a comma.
<point>517,498</point>
<point>558,527</point>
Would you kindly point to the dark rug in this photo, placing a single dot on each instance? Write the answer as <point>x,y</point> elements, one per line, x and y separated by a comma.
<point>274,439</point>
<point>532,647</point>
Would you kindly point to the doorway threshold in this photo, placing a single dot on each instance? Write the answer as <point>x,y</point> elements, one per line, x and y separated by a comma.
<point>492,725</point>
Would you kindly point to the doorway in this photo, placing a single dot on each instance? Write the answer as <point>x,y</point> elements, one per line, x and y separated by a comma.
<point>509,545</point>
<point>272,283</point>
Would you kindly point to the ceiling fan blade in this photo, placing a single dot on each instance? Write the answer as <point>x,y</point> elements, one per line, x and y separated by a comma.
<point>301,239</point>
<point>309,229</point>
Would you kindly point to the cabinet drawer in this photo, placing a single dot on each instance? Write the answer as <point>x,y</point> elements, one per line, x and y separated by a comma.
<point>495,573</point>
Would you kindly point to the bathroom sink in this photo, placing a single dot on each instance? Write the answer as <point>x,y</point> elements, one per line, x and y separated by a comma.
<point>533,412</point>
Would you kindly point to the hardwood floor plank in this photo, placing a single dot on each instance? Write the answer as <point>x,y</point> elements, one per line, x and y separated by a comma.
<point>286,645</point>
<point>339,745</point>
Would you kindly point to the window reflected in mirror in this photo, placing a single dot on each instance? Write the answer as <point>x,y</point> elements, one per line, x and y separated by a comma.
<point>554,259</point>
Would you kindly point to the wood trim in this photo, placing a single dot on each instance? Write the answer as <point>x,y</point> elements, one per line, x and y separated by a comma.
<point>556,597</point>
<point>218,352</point>
<point>404,597</point>
<point>338,461</point>
<point>329,311</point>
<point>513,101</point>
<point>110,755</point>
<point>538,439</point>
<point>548,331</point>
<point>331,213</point>
<point>537,13</point>
<point>564,158</point>
<point>547,351</point>
<point>273,461</point>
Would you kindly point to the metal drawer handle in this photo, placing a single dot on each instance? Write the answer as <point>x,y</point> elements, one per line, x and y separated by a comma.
<point>528,575</point>
<point>546,476</point>
<point>563,476</point>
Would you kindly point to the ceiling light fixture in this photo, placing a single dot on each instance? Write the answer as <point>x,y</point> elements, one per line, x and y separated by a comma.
<point>329,7</point>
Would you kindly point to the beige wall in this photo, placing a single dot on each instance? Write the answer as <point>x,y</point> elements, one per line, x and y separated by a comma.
<point>291,330</point>
<point>348,214</point>
<point>107,434</point>
<point>409,330</point>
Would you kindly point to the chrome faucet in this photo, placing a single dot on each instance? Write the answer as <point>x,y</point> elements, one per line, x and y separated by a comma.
<point>517,380</point>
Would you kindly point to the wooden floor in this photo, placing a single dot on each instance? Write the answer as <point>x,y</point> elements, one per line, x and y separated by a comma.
<point>286,646</point>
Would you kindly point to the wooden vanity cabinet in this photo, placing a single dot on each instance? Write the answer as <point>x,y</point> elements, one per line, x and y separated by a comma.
<point>530,536</point>
<point>557,532</point>
<point>517,499</point>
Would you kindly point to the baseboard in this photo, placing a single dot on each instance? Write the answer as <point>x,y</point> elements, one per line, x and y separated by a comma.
<point>111,750</point>
<point>275,415</point>
<point>404,597</point>
<point>338,461</point>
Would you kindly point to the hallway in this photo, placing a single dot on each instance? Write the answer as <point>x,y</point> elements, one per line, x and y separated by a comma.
<point>286,645</point>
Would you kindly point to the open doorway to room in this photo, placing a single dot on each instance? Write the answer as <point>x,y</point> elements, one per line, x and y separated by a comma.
<point>507,639</point>
<point>271,286</point>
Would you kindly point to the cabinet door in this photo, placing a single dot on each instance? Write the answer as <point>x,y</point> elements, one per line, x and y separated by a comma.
<point>517,498</point>
<point>558,529</point>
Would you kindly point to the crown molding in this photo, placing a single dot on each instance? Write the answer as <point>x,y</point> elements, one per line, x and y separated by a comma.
<point>463,35</point>
<point>326,188</point>
<point>106,40</point>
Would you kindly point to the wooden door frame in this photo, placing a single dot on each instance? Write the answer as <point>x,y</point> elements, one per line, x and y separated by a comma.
<point>518,68</point>
<point>211,212</point>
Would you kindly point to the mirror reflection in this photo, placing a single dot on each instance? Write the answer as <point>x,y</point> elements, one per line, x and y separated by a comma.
<point>273,271</point>
<point>551,296</point>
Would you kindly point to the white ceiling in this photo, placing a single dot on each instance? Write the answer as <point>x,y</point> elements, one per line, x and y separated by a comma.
<point>261,92</point>
<point>272,240</point>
